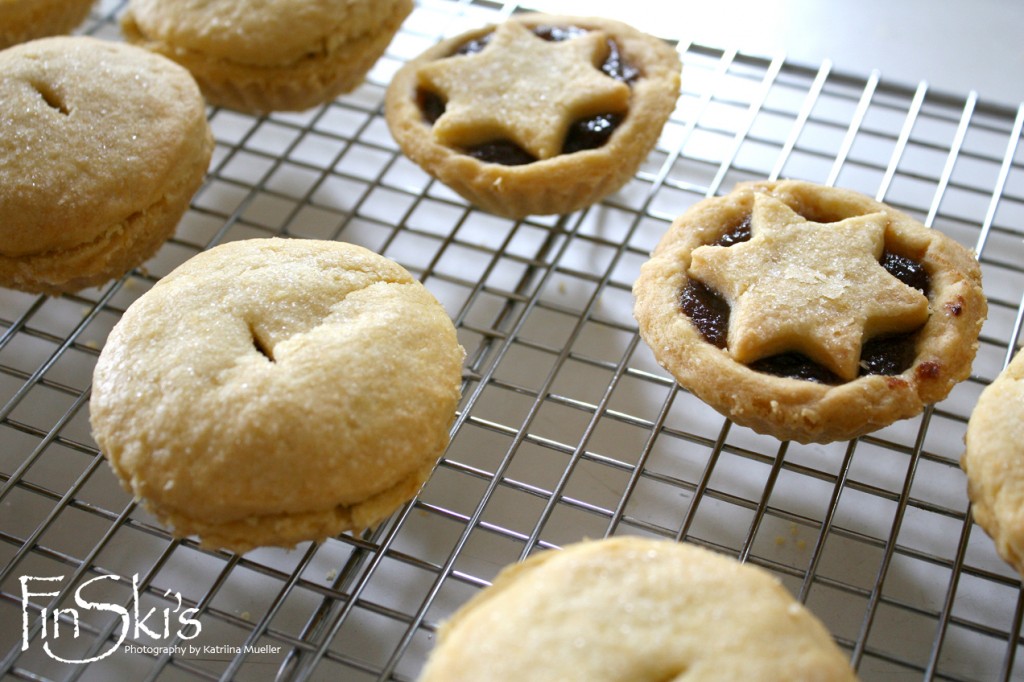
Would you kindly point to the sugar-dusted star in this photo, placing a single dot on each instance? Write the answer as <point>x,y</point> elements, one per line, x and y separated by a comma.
<point>524,89</point>
<point>812,288</point>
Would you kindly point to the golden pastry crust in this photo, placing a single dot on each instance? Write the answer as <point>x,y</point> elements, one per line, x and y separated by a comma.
<point>103,146</point>
<point>794,409</point>
<point>557,183</point>
<point>994,462</point>
<point>636,610</point>
<point>259,57</point>
<point>23,20</point>
<point>271,391</point>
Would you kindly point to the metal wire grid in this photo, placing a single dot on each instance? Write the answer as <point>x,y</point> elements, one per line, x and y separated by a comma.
<point>568,428</point>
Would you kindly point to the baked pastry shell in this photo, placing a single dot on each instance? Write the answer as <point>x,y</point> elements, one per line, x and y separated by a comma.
<point>260,81</point>
<point>99,166</point>
<point>994,462</point>
<point>632,608</point>
<point>273,391</point>
<point>563,183</point>
<point>793,409</point>
<point>22,20</point>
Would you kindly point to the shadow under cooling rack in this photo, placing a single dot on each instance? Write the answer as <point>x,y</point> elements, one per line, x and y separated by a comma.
<point>568,428</point>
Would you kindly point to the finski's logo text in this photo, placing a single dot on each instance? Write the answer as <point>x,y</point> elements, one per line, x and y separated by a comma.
<point>155,624</point>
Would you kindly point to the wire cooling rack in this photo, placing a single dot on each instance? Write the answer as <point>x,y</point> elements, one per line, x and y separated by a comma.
<point>567,430</point>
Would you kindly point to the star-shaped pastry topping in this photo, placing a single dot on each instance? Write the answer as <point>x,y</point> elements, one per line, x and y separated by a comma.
<point>812,288</point>
<point>524,89</point>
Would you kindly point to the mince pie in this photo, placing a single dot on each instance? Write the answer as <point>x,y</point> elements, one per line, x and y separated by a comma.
<point>810,313</point>
<point>542,114</point>
<point>994,462</point>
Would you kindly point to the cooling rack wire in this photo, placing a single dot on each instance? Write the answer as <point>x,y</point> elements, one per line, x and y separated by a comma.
<point>568,429</point>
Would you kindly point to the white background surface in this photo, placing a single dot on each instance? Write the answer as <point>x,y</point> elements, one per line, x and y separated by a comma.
<point>955,45</point>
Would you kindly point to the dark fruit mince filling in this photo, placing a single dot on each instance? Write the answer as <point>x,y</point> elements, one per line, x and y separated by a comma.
<point>586,133</point>
<point>885,355</point>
